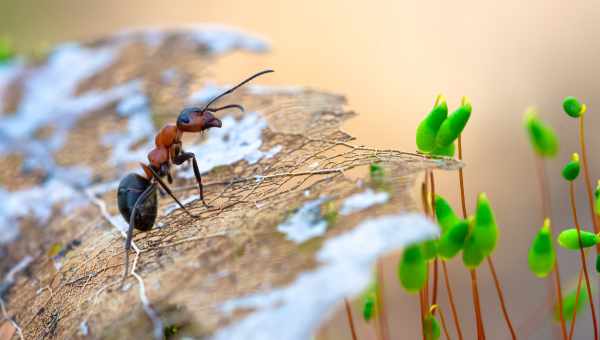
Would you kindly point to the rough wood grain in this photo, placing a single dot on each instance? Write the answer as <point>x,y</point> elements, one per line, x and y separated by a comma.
<point>188,267</point>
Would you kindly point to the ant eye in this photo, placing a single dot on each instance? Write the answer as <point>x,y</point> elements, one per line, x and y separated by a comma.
<point>183,119</point>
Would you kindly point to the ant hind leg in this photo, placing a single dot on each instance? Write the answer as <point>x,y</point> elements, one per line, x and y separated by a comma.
<point>143,197</point>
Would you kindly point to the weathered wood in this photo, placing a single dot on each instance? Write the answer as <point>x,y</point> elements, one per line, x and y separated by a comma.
<point>191,270</point>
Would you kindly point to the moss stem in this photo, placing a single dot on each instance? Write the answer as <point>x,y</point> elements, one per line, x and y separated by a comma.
<point>442,319</point>
<point>475,291</point>
<point>586,175</point>
<point>422,305</point>
<point>563,325</point>
<point>577,293</point>
<point>382,315</point>
<point>583,261</point>
<point>545,198</point>
<point>501,297</point>
<point>435,261</point>
<point>350,319</point>
<point>451,301</point>
<point>461,180</point>
<point>477,306</point>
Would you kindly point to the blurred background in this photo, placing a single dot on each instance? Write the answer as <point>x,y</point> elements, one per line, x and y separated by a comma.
<point>390,59</point>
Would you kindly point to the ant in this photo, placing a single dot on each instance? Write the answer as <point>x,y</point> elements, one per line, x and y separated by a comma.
<point>136,195</point>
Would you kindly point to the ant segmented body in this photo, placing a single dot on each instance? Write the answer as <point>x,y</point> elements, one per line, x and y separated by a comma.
<point>136,196</point>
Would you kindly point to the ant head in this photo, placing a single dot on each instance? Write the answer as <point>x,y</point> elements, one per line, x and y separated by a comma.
<point>194,119</point>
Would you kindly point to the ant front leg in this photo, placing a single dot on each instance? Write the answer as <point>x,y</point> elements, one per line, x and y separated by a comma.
<point>184,156</point>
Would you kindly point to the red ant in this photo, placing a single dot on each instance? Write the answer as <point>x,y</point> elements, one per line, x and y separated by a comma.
<point>136,195</point>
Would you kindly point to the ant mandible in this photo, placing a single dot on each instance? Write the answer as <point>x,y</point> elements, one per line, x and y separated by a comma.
<point>136,195</point>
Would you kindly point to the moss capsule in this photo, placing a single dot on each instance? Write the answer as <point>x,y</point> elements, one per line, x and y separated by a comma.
<point>453,126</point>
<point>542,255</point>
<point>429,249</point>
<point>444,213</point>
<point>569,303</point>
<point>412,269</point>
<point>428,129</point>
<point>431,328</point>
<point>369,300</point>
<point>7,51</point>
<point>485,230</point>
<point>573,107</point>
<point>568,239</point>
<point>571,170</point>
<point>453,240</point>
<point>472,254</point>
<point>542,136</point>
<point>447,151</point>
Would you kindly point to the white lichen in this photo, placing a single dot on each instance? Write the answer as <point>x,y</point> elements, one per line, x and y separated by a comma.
<point>295,311</point>
<point>37,203</point>
<point>305,223</point>
<point>174,206</point>
<point>363,200</point>
<point>218,39</point>
<point>237,140</point>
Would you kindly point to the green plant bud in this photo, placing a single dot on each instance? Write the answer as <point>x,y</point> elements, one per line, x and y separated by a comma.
<point>485,231</point>
<point>568,239</point>
<point>597,198</point>
<point>452,127</point>
<point>573,107</point>
<point>369,300</point>
<point>472,254</point>
<point>431,328</point>
<point>453,240</point>
<point>444,214</point>
<point>429,249</point>
<point>447,151</point>
<point>428,129</point>
<point>598,263</point>
<point>376,173</point>
<point>569,303</point>
<point>571,170</point>
<point>542,255</point>
<point>542,136</point>
<point>6,50</point>
<point>412,269</point>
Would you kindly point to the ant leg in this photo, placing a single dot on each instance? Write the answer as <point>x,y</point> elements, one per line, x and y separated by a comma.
<point>166,188</point>
<point>184,156</point>
<point>145,194</point>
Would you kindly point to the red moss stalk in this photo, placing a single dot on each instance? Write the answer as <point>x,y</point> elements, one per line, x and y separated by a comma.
<point>350,319</point>
<point>583,261</point>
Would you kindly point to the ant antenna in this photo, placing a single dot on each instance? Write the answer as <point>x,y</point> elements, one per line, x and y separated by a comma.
<point>235,88</point>
<point>231,106</point>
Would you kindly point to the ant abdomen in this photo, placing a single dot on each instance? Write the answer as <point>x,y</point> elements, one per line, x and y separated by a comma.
<point>130,189</point>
